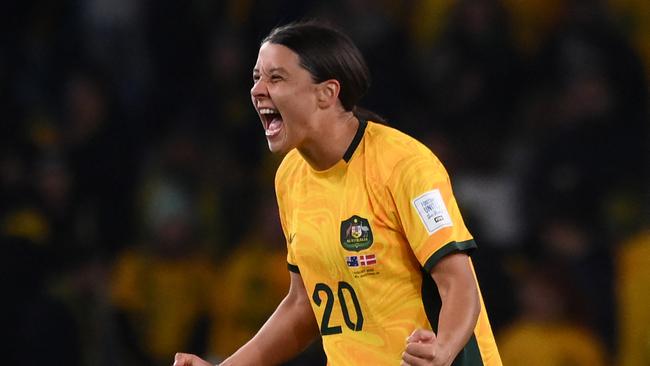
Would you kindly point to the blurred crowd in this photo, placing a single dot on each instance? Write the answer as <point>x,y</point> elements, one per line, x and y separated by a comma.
<point>138,215</point>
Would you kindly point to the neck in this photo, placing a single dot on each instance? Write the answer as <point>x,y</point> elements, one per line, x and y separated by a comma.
<point>332,138</point>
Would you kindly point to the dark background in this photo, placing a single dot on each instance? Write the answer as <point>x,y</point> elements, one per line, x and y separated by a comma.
<point>126,126</point>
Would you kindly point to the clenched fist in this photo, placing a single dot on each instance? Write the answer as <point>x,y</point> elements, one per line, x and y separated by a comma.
<point>186,359</point>
<point>422,350</point>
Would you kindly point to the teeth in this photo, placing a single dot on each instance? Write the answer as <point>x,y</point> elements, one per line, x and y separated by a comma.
<point>268,111</point>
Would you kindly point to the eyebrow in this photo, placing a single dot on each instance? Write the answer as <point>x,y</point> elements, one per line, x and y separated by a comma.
<point>271,70</point>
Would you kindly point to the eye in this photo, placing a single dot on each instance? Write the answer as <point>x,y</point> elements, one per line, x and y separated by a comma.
<point>276,78</point>
<point>256,77</point>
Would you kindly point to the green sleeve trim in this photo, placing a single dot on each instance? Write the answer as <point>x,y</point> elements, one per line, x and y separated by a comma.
<point>293,268</point>
<point>454,246</point>
<point>470,355</point>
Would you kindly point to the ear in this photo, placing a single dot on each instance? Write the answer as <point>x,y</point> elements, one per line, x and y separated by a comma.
<point>328,93</point>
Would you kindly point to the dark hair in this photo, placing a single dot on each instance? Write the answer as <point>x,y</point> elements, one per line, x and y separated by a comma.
<point>327,53</point>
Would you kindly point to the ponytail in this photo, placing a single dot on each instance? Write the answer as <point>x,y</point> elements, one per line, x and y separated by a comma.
<point>368,115</point>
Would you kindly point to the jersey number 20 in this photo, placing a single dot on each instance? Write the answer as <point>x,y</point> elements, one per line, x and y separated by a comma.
<point>325,328</point>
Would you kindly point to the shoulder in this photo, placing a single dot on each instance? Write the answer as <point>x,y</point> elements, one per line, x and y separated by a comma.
<point>392,152</point>
<point>287,172</point>
<point>287,167</point>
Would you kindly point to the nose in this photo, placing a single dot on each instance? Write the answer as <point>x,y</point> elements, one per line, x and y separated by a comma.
<point>259,90</point>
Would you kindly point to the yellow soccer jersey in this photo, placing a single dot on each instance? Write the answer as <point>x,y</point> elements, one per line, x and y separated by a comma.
<point>364,236</point>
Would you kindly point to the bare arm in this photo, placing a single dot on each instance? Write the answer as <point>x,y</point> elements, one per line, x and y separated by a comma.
<point>287,332</point>
<point>290,329</point>
<point>458,316</point>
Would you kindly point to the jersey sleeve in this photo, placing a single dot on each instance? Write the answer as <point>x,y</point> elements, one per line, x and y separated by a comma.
<point>427,210</point>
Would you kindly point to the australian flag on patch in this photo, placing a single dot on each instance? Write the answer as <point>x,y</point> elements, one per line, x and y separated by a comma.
<point>352,261</point>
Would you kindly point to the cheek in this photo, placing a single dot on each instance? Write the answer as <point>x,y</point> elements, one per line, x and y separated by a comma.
<point>294,112</point>
<point>300,102</point>
<point>284,100</point>
<point>295,103</point>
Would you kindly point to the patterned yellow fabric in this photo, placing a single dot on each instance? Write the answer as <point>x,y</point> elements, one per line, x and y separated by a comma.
<point>633,294</point>
<point>535,344</point>
<point>355,234</point>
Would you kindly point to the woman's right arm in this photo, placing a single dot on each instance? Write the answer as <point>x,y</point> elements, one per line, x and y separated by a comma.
<point>290,329</point>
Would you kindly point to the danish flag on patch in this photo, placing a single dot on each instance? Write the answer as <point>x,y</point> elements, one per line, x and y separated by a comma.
<point>367,260</point>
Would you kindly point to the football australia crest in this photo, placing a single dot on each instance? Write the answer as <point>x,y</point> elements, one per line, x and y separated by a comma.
<point>356,234</point>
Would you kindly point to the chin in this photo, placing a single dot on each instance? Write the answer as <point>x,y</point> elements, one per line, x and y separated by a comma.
<point>279,144</point>
<point>278,148</point>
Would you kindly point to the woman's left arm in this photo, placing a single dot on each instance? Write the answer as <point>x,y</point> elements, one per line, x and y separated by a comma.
<point>458,315</point>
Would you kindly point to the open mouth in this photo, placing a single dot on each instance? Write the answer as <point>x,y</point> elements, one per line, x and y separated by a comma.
<point>272,120</point>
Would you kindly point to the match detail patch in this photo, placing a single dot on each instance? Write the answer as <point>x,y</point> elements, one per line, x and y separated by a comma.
<point>432,211</point>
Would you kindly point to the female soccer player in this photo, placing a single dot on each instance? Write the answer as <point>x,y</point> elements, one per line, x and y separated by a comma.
<point>377,248</point>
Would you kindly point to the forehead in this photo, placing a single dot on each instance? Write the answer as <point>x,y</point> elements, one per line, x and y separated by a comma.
<point>275,56</point>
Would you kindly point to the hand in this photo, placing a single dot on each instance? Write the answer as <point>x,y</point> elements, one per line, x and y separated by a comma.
<point>186,359</point>
<point>422,349</point>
